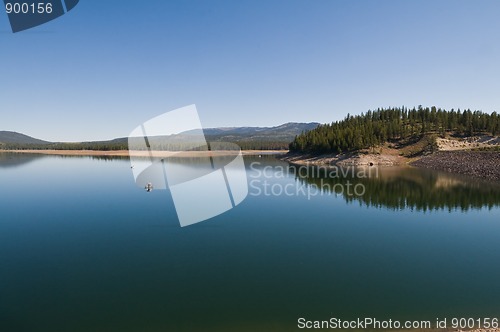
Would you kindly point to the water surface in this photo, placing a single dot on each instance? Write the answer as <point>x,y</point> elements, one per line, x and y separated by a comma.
<point>83,249</point>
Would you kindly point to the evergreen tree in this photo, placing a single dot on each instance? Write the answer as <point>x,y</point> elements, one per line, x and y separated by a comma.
<point>376,127</point>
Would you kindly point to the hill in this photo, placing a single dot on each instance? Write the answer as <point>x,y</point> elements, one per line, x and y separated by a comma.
<point>249,138</point>
<point>284,132</point>
<point>397,125</point>
<point>11,137</point>
<point>260,138</point>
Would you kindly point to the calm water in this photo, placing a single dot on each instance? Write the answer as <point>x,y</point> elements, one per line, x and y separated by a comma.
<point>83,249</point>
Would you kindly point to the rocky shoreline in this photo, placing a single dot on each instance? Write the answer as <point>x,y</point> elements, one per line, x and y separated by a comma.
<point>480,164</point>
<point>350,159</point>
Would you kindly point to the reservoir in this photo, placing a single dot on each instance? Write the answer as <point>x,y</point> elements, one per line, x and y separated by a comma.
<point>82,248</point>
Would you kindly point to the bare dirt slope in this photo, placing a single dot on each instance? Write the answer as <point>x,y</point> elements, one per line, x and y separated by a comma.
<point>476,142</point>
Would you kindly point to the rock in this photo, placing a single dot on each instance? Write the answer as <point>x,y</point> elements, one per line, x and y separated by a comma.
<point>480,164</point>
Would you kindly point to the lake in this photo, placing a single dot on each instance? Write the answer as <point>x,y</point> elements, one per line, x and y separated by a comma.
<point>82,248</point>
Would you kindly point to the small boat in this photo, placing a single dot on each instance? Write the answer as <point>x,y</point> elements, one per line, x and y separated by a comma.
<point>149,187</point>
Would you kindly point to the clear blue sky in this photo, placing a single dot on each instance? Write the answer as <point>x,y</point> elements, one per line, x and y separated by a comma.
<point>107,66</point>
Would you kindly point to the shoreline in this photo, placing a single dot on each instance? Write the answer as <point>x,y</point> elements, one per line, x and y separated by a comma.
<point>476,156</point>
<point>477,164</point>
<point>347,159</point>
<point>165,154</point>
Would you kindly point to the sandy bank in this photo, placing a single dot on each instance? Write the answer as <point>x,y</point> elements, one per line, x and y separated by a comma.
<point>350,159</point>
<point>479,164</point>
<point>467,143</point>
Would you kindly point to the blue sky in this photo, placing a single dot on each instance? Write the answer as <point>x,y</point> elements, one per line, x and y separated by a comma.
<point>107,66</point>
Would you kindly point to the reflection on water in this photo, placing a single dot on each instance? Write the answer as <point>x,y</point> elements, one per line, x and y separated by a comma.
<point>17,159</point>
<point>14,159</point>
<point>82,248</point>
<point>399,188</point>
<point>395,188</point>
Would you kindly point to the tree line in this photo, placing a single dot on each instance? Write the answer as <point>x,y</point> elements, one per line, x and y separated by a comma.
<point>374,128</point>
<point>97,146</point>
<point>123,145</point>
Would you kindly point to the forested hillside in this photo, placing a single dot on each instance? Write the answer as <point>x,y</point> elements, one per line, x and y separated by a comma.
<point>374,128</point>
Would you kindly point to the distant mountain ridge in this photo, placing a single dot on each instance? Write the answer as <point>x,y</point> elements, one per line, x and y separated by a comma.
<point>13,137</point>
<point>285,132</point>
<point>276,137</point>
